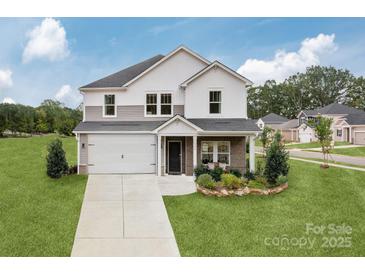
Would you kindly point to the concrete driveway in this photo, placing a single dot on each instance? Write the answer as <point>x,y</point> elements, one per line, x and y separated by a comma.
<point>124,215</point>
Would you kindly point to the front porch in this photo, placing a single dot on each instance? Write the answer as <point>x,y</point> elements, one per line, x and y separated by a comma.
<point>181,154</point>
<point>184,144</point>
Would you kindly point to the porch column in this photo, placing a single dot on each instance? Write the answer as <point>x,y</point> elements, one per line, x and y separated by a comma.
<point>252,153</point>
<point>158,155</point>
<point>195,151</point>
<point>350,135</point>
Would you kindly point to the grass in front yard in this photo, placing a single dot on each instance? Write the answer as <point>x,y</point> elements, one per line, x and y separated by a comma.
<point>238,226</point>
<point>39,215</point>
<point>353,151</point>
<point>313,145</point>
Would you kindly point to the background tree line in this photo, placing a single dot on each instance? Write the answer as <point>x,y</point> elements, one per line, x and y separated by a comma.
<point>51,116</point>
<point>317,87</point>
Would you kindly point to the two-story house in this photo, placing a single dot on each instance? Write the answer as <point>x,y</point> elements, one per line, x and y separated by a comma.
<point>166,115</point>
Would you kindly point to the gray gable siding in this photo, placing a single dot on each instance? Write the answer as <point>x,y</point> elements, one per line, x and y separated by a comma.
<point>126,113</point>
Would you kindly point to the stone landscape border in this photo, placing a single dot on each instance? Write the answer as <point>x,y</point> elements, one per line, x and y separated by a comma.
<point>223,192</point>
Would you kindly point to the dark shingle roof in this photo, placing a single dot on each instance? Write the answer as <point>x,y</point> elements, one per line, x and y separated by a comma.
<point>122,77</point>
<point>273,118</point>
<point>205,124</point>
<point>355,119</point>
<point>290,124</point>
<point>118,126</point>
<point>225,124</point>
<point>334,108</point>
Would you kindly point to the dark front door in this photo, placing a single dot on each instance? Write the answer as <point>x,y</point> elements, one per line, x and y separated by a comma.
<point>174,157</point>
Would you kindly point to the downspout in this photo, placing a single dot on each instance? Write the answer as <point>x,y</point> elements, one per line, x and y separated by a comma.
<point>77,136</point>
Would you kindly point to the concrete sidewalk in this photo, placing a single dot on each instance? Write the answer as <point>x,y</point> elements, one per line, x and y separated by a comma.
<point>345,146</point>
<point>360,161</point>
<point>124,215</point>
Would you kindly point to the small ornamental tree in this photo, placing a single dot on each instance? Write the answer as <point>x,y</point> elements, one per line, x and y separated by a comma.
<point>266,138</point>
<point>276,160</point>
<point>56,160</point>
<point>323,132</point>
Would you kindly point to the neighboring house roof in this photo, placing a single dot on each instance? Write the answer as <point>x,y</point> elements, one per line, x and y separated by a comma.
<point>213,65</point>
<point>290,124</point>
<point>204,124</point>
<point>355,119</point>
<point>333,108</point>
<point>273,118</point>
<point>120,78</point>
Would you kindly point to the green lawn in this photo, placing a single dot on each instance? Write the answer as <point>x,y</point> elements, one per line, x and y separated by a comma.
<point>354,151</point>
<point>239,226</point>
<point>313,145</point>
<point>39,215</point>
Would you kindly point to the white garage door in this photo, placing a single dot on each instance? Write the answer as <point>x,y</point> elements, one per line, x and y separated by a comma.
<point>305,137</point>
<point>359,138</point>
<point>117,153</point>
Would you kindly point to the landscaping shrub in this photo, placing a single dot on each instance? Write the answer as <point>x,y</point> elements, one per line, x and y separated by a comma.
<point>262,180</point>
<point>201,169</point>
<point>205,180</point>
<point>56,160</point>
<point>276,160</point>
<point>236,173</point>
<point>230,181</point>
<point>282,180</point>
<point>249,175</point>
<point>216,173</point>
<point>72,169</point>
<point>256,184</point>
<point>243,181</point>
<point>259,168</point>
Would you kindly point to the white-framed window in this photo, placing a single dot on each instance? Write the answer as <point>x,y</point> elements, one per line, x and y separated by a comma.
<point>215,152</point>
<point>166,103</point>
<point>158,104</point>
<point>215,101</point>
<point>109,106</point>
<point>339,132</point>
<point>151,104</point>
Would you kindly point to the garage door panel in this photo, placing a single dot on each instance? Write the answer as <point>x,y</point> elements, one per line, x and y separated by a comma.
<point>359,138</point>
<point>122,153</point>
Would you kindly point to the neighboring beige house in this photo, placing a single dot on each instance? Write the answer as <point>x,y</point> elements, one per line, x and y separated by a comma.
<point>166,115</point>
<point>290,130</point>
<point>348,123</point>
<point>271,120</point>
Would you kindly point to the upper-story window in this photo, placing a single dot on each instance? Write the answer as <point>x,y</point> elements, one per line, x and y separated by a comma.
<point>215,100</point>
<point>166,104</point>
<point>109,105</point>
<point>151,104</point>
<point>158,104</point>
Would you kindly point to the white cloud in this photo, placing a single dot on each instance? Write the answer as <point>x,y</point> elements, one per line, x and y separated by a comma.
<point>5,78</point>
<point>46,41</point>
<point>285,63</point>
<point>8,100</point>
<point>68,96</point>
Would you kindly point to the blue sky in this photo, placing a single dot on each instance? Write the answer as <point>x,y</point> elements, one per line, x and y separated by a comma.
<point>50,58</point>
